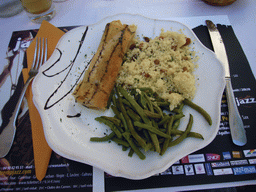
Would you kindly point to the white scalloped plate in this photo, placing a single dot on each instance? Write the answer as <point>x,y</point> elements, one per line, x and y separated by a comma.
<point>69,137</point>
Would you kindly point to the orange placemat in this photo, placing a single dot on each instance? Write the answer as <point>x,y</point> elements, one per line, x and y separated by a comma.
<point>42,151</point>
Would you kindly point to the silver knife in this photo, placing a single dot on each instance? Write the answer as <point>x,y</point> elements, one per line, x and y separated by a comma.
<point>235,122</point>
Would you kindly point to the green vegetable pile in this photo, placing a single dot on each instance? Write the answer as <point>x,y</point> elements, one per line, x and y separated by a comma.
<point>143,121</point>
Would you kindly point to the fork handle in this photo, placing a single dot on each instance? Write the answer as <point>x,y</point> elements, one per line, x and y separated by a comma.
<point>8,133</point>
<point>17,108</point>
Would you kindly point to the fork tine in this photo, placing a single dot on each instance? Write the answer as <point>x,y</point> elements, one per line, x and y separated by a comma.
<point>38,53</point>
<point>42,54</point>
<point>35,55</point>
<point>45,52</point>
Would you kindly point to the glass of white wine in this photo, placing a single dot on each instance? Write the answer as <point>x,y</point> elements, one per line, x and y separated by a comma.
<point>39,10</point>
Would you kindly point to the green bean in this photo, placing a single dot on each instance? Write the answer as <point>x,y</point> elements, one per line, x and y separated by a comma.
<point>110,99</point>
<point>196,135</point>
<point>158,109</point>
<point>148,102</point>
<point>179,108</point>
<point>199,109</point>
<point>121,142</point>
<point>152,114</point>
<point>140,121</point>
<point>146,135</point>
<point>136,136</point>
<point>114,99</point>
<point>126,103</point>
<point>163,129</point>
<point>116,111</point>
<point>111,126</point>
<point>150,146</point>
<point>178,116</point>
<point>127,136</point>
<point>124,148</point>
<point>170,123</point>
<point>164,120</point>
<point>155,139</point>
<point>183,135</point>
<point>176,132</point>
<point>142,100</point>
<point>163,103</point>
<point>135,105</point>
<point>176,124</point>
<point>124,122</point>
<point>152,129</point>
<point>134,116</point>
<point>114,120</point>
<point>168,132</point>
<point>190,134</point>
<point>131,152</point>
<point>105,138</point>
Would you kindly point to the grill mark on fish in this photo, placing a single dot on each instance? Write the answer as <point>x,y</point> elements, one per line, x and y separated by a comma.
<point>120,41</point>
<point>102,49</point>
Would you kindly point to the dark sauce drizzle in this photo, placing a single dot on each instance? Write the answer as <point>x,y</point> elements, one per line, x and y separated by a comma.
<point>52,75</point>
<point>70,66</point>
<point>72,116</point>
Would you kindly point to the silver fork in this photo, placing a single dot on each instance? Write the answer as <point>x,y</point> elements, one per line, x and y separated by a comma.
<point>8,133</point>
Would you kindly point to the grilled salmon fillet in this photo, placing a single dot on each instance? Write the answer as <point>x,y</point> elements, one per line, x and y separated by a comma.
<point>98,81</point>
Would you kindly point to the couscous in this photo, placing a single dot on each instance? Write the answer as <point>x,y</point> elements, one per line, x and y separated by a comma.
<point>165,64</point>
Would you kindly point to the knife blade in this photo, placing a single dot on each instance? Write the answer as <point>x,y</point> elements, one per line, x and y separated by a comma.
<point>236,125</point>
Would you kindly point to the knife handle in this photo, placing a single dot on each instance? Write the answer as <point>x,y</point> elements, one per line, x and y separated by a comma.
<point>235,121</point>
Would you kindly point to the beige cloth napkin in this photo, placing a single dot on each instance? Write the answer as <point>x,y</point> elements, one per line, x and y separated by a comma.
<point>42,151</point>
